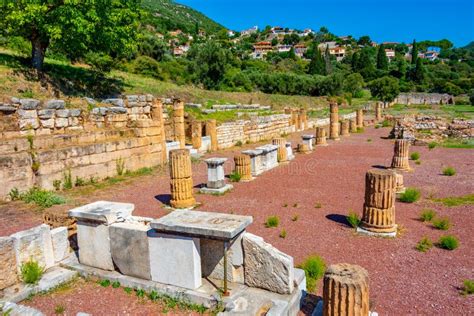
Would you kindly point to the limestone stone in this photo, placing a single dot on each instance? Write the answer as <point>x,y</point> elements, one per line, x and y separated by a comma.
<point>346,290</point>
<point>255,161</point>
<point>8,267</point>
<point>59,237</point>
<point>360,118</point>
<point>28,123</point>
<point>7,109</point>
<point>178,122</point>
<point>303,148</point>
<point>93,239</point>
<point>46,114</point>
<point>129,246</point>
<point>27,114</point>
<point>61,122</point>
<point>308,141</point>
<point>55,104</point>
<point>115,102</point>
<point>211,130</point>
<point>353,126</point>
<point>289,151</point>
<point>175,260</point>
<point>345,128</point>
<point>181,179</point>
<point>118,110</point>
<point>196,134</point>
<point>378,111</point>
<point>400,155</point>
<point>75,112</point>
<point>63,113</point>
<point>243,167</point>
<point>266,267</point>
<point>36,244</point>
<point>399,183</point>
<point>281,152</point>
<point>215,172</point>
<point>269,157</point>
<point>12,309</point>
<point>29,104</point>
<point>321,136</point>
<point>103,211</point>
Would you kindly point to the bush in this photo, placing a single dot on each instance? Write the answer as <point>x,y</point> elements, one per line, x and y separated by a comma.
<point>432,145</point>
<point>67,177</point>
<point>442,223</point>
<point>448,242</point>
<point>353,219</point>
<point>147,66</point>
<point>427,215</point>
<point>235,177</point>
<point>415,156</point>
<point>424,245</point>
<point>449,171</point>
<point>104,283</point>
<point>283,234</point>
<point>272,221</point>
<point>411,195</point>
<point>14,194</point>
<point>31,272</point>
<point>100,62</point>
<point>314,268</point>
<point>468,287</point>
<point>116,284</point>
<point>42,198</point>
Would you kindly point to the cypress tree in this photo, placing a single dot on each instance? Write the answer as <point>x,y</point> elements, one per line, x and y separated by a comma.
<point>419,73</point>
<point>382,60</point>
<point>414,53</point>
<point>317,65</point>
<point>327,59</point>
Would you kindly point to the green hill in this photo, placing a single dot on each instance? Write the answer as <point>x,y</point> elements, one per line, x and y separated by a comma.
<point>167,15</point>
<point>469,46</point>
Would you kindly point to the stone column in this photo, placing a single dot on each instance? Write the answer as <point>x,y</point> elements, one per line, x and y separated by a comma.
<point>181,179</point>
<point>294,118</point>
<point>378,111</point>
<point>216,176</point>
<point>346,290</point>
<point>299,120</point>
<point>281,153</point>
<point>178,123</point>
<point>345,128</point>
<point>379,207</point>
<point>334,121</point>
<point>321,136</point>
<point>303,148</point>
<point>303,119</point>
<point>157,116</point>
<point>360,118</point>
<point>400,155</point>
<point>211,130</point>
<point>196,134</point>
<point>353,126</point>
<point>243,167</point>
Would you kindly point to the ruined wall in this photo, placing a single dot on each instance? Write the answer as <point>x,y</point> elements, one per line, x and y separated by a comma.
<point>424,98</point>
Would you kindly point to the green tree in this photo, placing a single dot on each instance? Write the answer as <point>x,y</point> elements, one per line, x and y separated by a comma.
<point>353,84</point>
<point>471,97</point>
<point>385,88</point>
<point>414,53</point>
<point>382,60</point>
<point>327,60</point>
<point>317,66</point>
<point>364,40</point>
<point>419,72</point>
<point>74,27</point>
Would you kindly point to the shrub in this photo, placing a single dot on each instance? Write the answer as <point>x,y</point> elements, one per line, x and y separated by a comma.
<point>314,268</point>
<point>448,242</point>
<point>42,198</point>
<point>120,166</point>
<point>104,283</point>
<point>411,195</point>
<point>283,234</point>
<point>432,145</point>
<point>353,219</point>
<point>272,221</point>
<point>80,182</point>
<point>442,223</point>
<point>116,284</point>
<point>449,171</point>
<point>59,309</point>
<point>67,177</point>
<point>99,62</point>
<point>235,177</point>
<point>468,287</point>
<point>14,194</point>
<point>31,272</point>
<point>239,143</point>
<point>424,245</point>
<point>415,155</point>
<point>147,66</point>
<point>427,215</point>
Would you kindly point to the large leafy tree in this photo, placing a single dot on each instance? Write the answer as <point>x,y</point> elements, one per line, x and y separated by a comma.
<point>414,53</point>
<point>385,88</point>
<point>382,60</point>
<point>317,66</point>
<point>74,27</point>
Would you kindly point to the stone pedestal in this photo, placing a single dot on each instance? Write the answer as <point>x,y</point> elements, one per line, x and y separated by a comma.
<point>353,126</point>
<point>255,161</point>
<point>178,122</point>
<point>243,167</point>
<point>308,141</point>
<point>269,158</point>
<point>216,176</point>
<point>303,149</point>
<point>345,128</point>
<point>378,111</point>
<point>400,155</point>
<point>321,136</point>
<point>360,118</point>
<point>196,134</point>
<point>181,179</point>
<point>334,121</point>
<point>346,290</point>
<point>378,217</point>
<point>211,130</point>
<point>289,151</point>
<point>281,151</point>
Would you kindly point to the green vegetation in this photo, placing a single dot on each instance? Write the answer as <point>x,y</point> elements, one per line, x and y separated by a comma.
<point>418,162</point>
<point>295,218</point>
<point>458,143</point>
<point>128,290</point>
<point>272,221</point>
<point>116,284</point>
<point>235,177</point>
<point>415,155</point>
<point>67,179</point>
<point>448,242</point>
<point>457,200</point>
<point>59,309</point>
<point>282,234</point>
<point>104,283</point>
<point>427,215</point>
<point>318,205</point>
<point>410,195</point>
<point>31,272</point>
<point>432,145</point>
<point>314,268</point>
<point>353,219</point>
<point>424,245</point>
<point>38,196</point>
<point>120,166</point>
<point>442,223</point>
<point>449,171</point>
<point>468,288</point>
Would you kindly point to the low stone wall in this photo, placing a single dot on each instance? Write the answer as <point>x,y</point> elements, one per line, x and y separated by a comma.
<point>424,98</point>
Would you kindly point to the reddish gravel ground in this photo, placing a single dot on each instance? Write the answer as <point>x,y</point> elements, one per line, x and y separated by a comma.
<point>402,280</point>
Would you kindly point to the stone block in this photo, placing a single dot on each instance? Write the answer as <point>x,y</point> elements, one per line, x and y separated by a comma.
<point>75,112</point>
<point>266,267</point>
<point>49,123</point>
<point>175,260</point>
<point>12,309</point>
<point>115,102</point>
<point>46,114</point>
<point>118,110</point>
<point>8,267</point>
<point>36,244</point>
<point>29,104</point>
<point>103,211</point>
<point>29,123</point>
<point>7,109</point>
<point>63,113</point>
<point>59,237</point>
<point>61,122</point>
<point>55,104</point>
<point>129,246</point>
<point>27,114</point>
<point>93,239</point>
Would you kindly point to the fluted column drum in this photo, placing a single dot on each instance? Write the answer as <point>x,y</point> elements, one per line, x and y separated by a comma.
<point>378,111</point>
<point>243,167</point>
<point>334,121</point>
<point>400,154</point>
<point>211,130</point>
<point>345,128</point>
<point>181,183</point>
<point>360,118</point>
<point>353,126</point>
<point>303,148</point>
<point>196,134</point>
<point>178,121</point>
<point>346,291</point>
<point>281,152</point>
<point>321,136</point>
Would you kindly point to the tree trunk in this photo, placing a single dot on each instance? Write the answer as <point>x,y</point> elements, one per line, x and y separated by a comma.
<point>38,50</point>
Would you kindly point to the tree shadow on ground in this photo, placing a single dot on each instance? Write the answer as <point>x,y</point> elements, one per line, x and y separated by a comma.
<point>340,219</point>
<point>66,79</point>
<point>164,198</point>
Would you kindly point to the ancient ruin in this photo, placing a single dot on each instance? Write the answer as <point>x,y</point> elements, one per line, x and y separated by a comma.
<point>181,179</point>
<point>360,118</point>
<point>345,128</point>
<point>216,177</point>
<point>243,167</point>
<point>378,111</point>
<point>424,98</point>
<point>401,155</point>
<point>308,140</point>
<point>334,121</point>
<point>178,121</point>
<point>196,136</point>
<point>282,153</point>
<point>320,136</point>
<point>353,126</point>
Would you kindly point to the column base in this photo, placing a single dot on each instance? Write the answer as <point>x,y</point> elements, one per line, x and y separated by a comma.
<point>363,231</point>
<point>189,203</point>
<point>318,310</point>
<point>222,190</point>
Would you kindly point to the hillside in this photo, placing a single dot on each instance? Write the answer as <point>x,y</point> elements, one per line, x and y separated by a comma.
<point>167,15</point>
<point>469,46</point>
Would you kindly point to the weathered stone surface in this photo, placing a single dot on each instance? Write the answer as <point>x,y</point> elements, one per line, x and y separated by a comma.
<point>175,260</point>
<point>55,104</point>
<point>93,239</point>
<point>103,211</point>
<point>334,122</point>
<point>49,123</point>
<point>266,267</point>
<point>321,137</point>
<point>61,122</point>
<point>243,167</point>
<point>7,109</point>
<point>115,102</point>
<point>27,114</point>
<point>29,104</point>
<point>118,110</point>
<point>181,183</point>
<point>281,152</point>
<point>196,134</point>
<point>28,124</point>
<point>215,172</point>
<point>75,112</point>
<point>8,267</point>
<point>400,154</point>
<point>12,309</point>
<point>100,111</point>
<point>129,246</point>
<point>346,290</point>
<point>211,130</point>
<point>255,161</point>
<point>59,237</point>
<point>178,122</point>
<point>36,244</point>
<point>46,113</point>
<point>63,113</point>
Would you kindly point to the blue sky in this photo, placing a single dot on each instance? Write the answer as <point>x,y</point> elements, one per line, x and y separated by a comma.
<point>396,20</point>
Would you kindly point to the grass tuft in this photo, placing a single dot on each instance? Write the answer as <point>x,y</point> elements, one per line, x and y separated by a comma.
<point>42,198</point>
<point>448,242</point>
<point>442,223</point>
<point>427,215</point>
<point>415,155</point>
<point>314,268</point>
<point>353,219</point>
<point>31,272</point>
<point>457,200</point>
<point>411,195</point>
<point>449,171</point>
<point>468,288</point>
<point>272,221</point>
<point>283,234</point>
<point>235,177</point>
<point>424,245</point>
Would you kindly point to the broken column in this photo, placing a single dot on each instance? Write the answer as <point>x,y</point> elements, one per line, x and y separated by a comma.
<point>303,149</point>
<point>378,111</point>
<point>346,290</point>
<point>360,118</point>
<point>400,155</point>
<point>321,136</point>
<point>345,128</point>
<point>211,130</point>
<point>353,126</point>
<point>308,141</point>
<point>281,152</point>
<point>334,121</point>
<point>243,167</point>
<point>303,119</point>
<point>196,134</point>
<point>181,179</point>
<point>178,122</point>
<point>378,217</point>
<point>399,182</point>
<point>215,177</point>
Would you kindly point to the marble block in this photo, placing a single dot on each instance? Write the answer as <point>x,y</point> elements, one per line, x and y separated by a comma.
<point>255,161</point>
<point>103,211</point>
<point>59,237</point>
<point>36,244</point>
<point>93,239</point>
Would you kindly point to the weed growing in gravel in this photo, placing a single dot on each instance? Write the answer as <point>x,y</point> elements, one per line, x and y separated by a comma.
<point>448,242</point>
<point>442,223</point>
<point>457,200</point>
<point>42,198</point>
<point>283,234</point>
<point>295,218</point>
<point>415,155</point>
<point>128,290</point>
<point>59,309</point>
<point>449,171</point>
<point>360,130</point>
<point>369,140</point>
<point>314,268</point>
<point>427,215</point>
<point>411,195</point>
<point>272,221</point>
<point>239,143</point>
<point>468,287</point>
<point>424,245</point>
<point>153,295</point>
<point>353,219</point>
<point>104,283</point>
<point>295,205</point>
<point>140,293</point>
<point>31,272</point>
<point>235,177</point>
<point>67,180</point>
<point>418,162</point>
<point>14,194</point>
<point>432,145</point>
<point>116,284</point>
<point>285,205</point>
<point>318,205</point>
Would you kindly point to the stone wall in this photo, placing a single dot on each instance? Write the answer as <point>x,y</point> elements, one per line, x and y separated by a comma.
<point>424,98</point>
